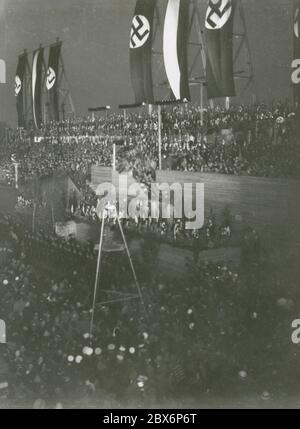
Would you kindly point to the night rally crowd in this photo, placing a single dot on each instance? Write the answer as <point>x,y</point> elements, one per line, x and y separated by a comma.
<point>243,140</point>
<point>249,140</point>
<point>192,338</point>
<point>187,340</point>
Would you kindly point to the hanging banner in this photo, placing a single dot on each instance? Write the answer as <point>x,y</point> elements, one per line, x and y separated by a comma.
<point>2,71</point>
<point>52,81</point>
<point>36,86</point>
<point>219,23</point>
<point>141,51</point>
<point>20,88</point>
<point>296,39</point>
<point>176,29</point>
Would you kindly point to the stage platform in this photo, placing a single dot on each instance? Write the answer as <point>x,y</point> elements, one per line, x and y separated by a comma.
<point>271,206</point>
<point>171,260</point>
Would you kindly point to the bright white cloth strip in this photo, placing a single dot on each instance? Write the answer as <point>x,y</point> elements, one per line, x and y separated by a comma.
<point>34,76</point>
<point>170,46</point>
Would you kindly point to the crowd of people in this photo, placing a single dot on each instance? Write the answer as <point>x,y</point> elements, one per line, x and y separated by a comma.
<point>214,233</point>
<point>211,235</point>
<point>176,338</point>
<point>241,140</point>
<point>187,339</point>
<point>253,140</point>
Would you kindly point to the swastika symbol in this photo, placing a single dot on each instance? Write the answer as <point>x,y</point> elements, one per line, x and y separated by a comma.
<point>140,31</point>
<point>18,85</point>
<point>218,13</point>
<point>51,78</point>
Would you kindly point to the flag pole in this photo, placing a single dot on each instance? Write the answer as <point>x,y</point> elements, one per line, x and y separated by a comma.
<point>227,103</point>
<point>16,166</point>
<point>97,274</point>
<point>114,156</point>
<point>159,136</point>
<point>201,102</point>
<point>53,218</point>
<point>33,217</point>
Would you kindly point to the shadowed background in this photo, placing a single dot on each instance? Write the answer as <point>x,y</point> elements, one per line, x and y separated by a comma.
<point>96,45</point>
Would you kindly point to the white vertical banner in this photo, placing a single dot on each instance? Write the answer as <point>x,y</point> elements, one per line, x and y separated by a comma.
<point>33,84</point>
<point>170,46</point>
<point>2,71</point>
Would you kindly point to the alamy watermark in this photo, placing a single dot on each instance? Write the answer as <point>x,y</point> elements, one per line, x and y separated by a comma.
<point>158,201</point>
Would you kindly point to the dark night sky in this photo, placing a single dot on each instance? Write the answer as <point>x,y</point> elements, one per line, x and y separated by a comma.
<point>96,45</point>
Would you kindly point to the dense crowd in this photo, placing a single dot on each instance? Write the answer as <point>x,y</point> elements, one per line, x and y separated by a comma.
<point>253,140</point>
<point>190,339</point>
<point>241,140</point>
<point>214,233</point>
<point>211,235</point>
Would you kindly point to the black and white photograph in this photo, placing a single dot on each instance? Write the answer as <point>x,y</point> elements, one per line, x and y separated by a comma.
<point>149,207</point>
